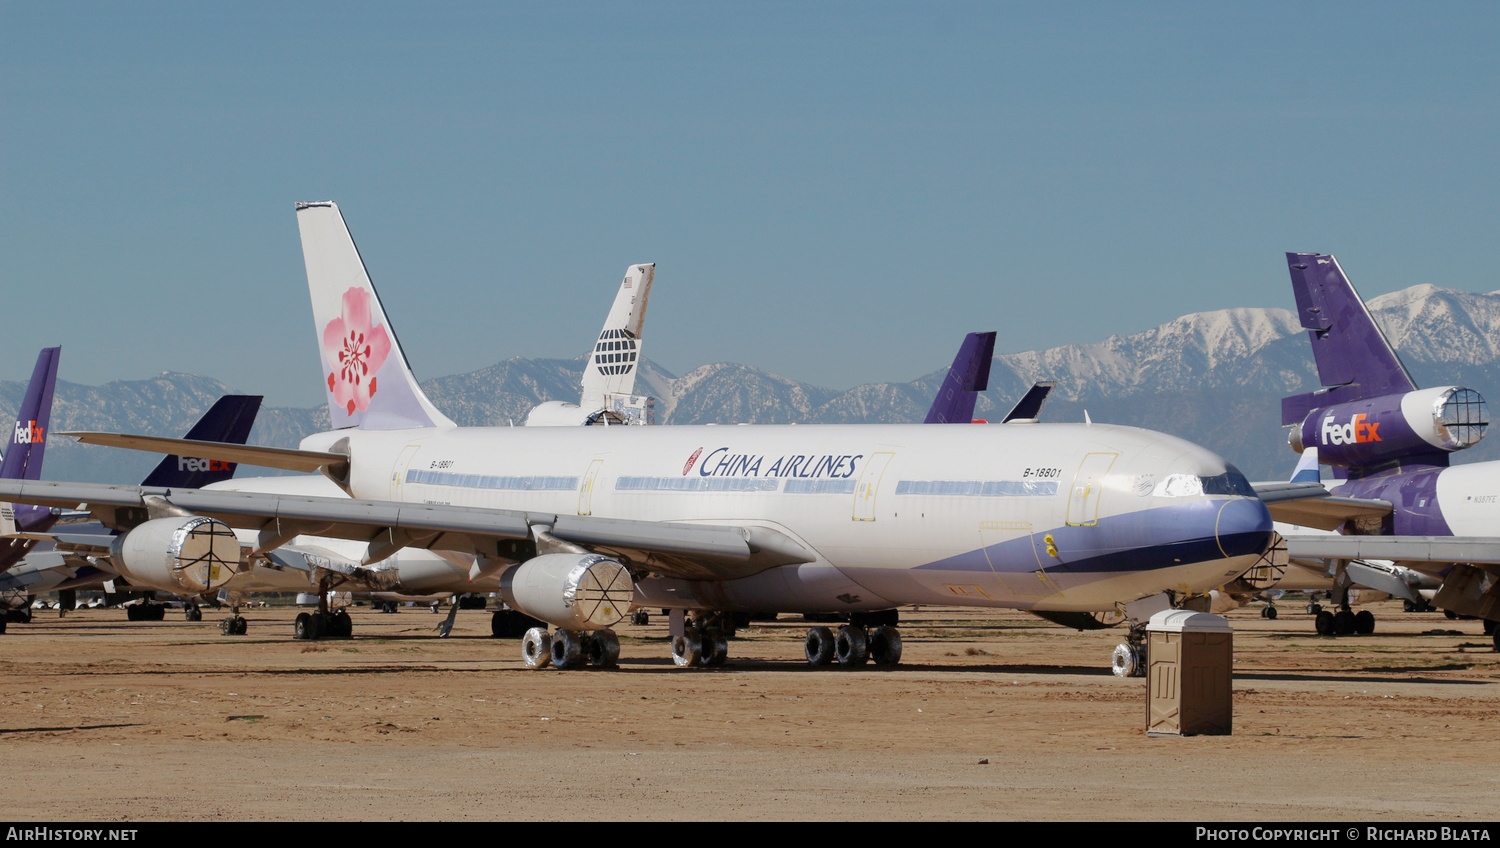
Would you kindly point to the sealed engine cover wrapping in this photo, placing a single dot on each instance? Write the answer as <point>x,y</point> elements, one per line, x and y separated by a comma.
<point>571,591</point>
<point>193,554</point>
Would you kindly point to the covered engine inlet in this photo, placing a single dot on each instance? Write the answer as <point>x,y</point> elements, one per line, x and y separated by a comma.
<point>1390,427</point>
<point>570,591</point>
<point>188,555</point>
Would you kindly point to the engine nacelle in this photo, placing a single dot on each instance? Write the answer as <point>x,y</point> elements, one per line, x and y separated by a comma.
<point>188,555</point>
<point>570,591</point>
<point>1392,427</point>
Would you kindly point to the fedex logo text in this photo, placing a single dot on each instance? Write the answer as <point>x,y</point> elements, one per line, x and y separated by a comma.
<point>28,433</point>
<point>188,463</point>
<point>1357,431</point>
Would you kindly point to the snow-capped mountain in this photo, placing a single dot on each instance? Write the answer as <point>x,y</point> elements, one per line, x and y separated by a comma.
<point>1216,378</point>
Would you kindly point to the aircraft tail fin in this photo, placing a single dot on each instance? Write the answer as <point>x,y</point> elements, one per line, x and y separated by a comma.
<point>1307,467</point>
<point>967,377</point>
<point>1029,407</point>
<point>1354,359</point>
<point>612,367</point>
<point>369,383</point>
<point>229,420</point>
<point>28,439</point>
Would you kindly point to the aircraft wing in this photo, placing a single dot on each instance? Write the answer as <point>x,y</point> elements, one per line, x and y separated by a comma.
<point>690,551</point>
<point>1310,505</point>
<point>1477,550</point>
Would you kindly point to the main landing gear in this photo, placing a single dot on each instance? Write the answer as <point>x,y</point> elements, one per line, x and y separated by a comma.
<point>867,637</point>
<point>1129,657</point>
<point>146,611</point>
<point>853,645</point>
<point>323,625</point>
<point>1345,622</point>
<point>566,649</point>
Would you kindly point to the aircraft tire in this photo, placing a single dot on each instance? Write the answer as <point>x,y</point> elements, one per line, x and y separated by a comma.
<point>343,625</point>
<point>819,646</point>
<point>567,649</point>
<point>1494,640</point>
<point>1343,623</point>
<point>715,648</point>
<point>604,649</point>
<point>1364,622</point>
<point>1126,661</point>
<point>536,648</point>
<point>687,651</point>
<point>885,645</point>
<point>1489,627</point>
<point>194,614</point>
<point>226,627</point>
<point>305,627</point>
<point>852,646</point>
<point>1323,623</point>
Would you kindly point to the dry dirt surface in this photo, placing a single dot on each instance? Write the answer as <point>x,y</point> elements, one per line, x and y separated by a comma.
<point>989,716</point>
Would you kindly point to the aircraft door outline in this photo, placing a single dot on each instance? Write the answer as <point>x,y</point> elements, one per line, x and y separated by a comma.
<point>586,491</point>
<point>1088,485</point>
<point>398,471</point>
<point>869,486</point>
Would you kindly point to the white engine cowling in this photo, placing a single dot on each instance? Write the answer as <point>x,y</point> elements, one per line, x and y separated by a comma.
<point>570,591</point>
<point>189,555</point>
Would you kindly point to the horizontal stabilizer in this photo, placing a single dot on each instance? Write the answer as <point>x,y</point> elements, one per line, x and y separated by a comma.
<point>287,459</point>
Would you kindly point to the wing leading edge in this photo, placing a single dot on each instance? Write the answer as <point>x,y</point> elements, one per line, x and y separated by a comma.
<point>689,551</point>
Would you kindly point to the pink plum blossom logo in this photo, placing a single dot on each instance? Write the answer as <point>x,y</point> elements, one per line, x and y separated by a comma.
<point>357,350</point>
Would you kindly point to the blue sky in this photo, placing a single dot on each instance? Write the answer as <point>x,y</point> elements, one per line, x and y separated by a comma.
<point>833,191</point>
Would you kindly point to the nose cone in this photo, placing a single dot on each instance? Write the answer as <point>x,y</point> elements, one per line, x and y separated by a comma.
<point>1243,527</point>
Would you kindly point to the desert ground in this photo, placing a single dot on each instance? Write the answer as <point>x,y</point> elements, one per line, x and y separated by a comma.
<point>991,715</point>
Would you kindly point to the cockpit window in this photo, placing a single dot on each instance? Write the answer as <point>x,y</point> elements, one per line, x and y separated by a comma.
<point>1231,482</point>
<point>1179,486</point>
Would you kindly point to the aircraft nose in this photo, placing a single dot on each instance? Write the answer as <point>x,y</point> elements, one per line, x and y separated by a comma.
<point>1243,527</point>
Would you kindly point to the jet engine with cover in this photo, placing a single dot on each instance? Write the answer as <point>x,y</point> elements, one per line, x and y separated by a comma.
<point>1369,432</point>
<point>190,554</point>
<point>570,591</point>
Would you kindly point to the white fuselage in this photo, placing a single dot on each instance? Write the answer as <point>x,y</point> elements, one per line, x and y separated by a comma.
<point>1051,516</point>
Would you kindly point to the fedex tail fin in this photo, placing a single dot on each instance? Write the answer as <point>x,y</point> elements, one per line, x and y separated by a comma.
<point>967,377</point>
<point>28,440</point>
<point>1354,359</point>
<point>369,383</point>
<point>229,420</point>
<point>611,368</point>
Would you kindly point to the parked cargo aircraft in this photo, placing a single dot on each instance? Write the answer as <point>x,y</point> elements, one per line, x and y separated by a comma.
<point>83,557</point>
<point>1354,582</point>
<point>1401,501</point>
<point>584,523</point>
<point>27,443</point>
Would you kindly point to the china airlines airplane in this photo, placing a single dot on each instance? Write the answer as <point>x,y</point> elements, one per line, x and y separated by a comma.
<point>581,524</point>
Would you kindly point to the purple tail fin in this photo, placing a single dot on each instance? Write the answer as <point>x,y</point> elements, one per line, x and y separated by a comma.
<point>967,377</point>
<point>28,440</point>
<point>23,457</point>
<point>229,420</point>
<point>1354,359</point>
